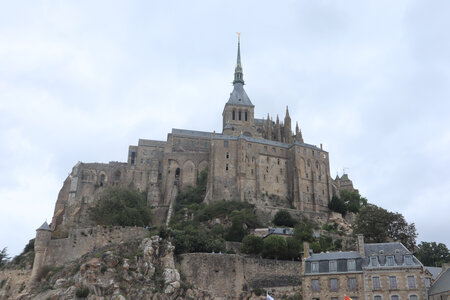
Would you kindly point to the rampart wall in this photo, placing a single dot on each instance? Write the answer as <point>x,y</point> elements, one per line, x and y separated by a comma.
<point>227,275</point>
<point>82,241</point>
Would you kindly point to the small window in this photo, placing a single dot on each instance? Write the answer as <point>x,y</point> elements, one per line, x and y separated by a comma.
<point>411,282</point>
<point>226,167</point>
<point>278,161</point>
<point>317,165</point>
<point>274,150</point>
<point>225,144</point>
<point>393,282</point>
<point>377,297</point>
<point>315,285</point>
<point>304,151</point>
<point>249,146</point>
<point>394,297</point>
<point>332,266</point>
<point>245,116</point>
<point>234,115</point>
<point>308,163</point>
<point>277,179</point>
<point>142,161</point>
<point>351,264</point>
<point>390,260</point>
<point>307,188</point>
<point>281,171</point>
<point>315,267</point>
<point>352,284</point>
<point>376,283</point>
<point>267,169</point>
<point>373,261</point>
<point>312,152</point>
<point>251,171</point>
<point>228,155</point>
<point>333,284</point>
<point>408,259</point>
<point>240,117</point>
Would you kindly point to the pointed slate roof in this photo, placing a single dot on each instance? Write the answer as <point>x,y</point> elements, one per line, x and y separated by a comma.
<point>238,96</point>
<point>44,227</point>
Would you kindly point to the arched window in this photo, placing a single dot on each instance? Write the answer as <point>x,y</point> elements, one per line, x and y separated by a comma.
<point>177,173</point>
<point>102,179</point>
<point>233,113</point>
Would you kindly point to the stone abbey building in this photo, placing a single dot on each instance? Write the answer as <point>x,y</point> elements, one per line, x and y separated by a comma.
<point>253,159</point>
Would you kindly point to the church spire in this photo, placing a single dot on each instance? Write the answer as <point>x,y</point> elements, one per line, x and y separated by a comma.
<point>238,74</point>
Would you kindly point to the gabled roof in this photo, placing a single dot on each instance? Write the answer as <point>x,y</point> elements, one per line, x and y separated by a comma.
<point>239,97</point>
<point>434,271</point>
<point>441,285</point>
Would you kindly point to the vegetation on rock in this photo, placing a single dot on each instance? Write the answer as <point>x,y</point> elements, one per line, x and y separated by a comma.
<point>284,218</point>
<point>121,206</point>
<point>347,202</point>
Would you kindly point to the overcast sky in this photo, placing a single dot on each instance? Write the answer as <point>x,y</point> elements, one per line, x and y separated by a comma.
<point>82,80</point>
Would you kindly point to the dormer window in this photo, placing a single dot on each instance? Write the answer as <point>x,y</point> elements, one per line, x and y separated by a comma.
<point>373,261</point>
<point>351,265</point>
<point>333,266</point>
<point>408,259</point>
<point>314,267</point>
<point>390,260</point>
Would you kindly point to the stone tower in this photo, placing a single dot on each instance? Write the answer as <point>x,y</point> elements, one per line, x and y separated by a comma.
<point>238,114</point>
<point>43,236</point>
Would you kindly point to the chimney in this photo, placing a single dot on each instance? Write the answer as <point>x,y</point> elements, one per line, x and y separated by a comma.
<point>321,146</point>
<point>360,245</point>
<point>305,250</point>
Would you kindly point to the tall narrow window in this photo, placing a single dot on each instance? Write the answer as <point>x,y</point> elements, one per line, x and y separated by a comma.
<point>351,264</point>
<point>315,285</point>
<point>390,260</point>
<point>228,155</point>
<point>333,284</point>
<point>408,259</point>
<point>392,282</point>
<point>373,261</point>
<point>246,116</point>
<point>240,115</point>
<point>233,113</point>
<point>226,167</point>
<point>315,267</point>
<point>411,282</point>
<point>376,283</point>
<point>352,284</point>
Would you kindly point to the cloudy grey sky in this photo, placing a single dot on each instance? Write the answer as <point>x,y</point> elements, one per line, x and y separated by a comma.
<point>82,80</point>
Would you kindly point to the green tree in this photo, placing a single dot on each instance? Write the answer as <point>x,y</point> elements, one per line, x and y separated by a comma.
<point>337,204</point>
<point>274,247</point>
<point>284,218</point>
<point>303,231</point>
<point>379,225</point>
<point>4,258</point>
<point>121,206</point>
<point>252,244</point>
<point>353,200</point>
<point>293,248</point>
<point>433,254</point>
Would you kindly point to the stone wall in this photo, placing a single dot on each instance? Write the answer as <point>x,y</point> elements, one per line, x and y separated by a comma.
<point>228,275</point>
<point>266,213</point>
<point>82,241</point>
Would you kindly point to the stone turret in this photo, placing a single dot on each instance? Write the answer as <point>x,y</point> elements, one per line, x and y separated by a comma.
<point>287,127</point>
<point>43,237</point>
<point>298,134</point>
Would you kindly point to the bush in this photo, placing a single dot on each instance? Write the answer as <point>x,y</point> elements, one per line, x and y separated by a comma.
<point>221,208</point>
<point>241,220</point>
<point>252,244</point>
<point>303,231</point>
<point>121,207</point>
<point>194,239</point>
<point>284,218</point>
<point>293,248</point>
<point>274,247</point>
<point>82,292</point>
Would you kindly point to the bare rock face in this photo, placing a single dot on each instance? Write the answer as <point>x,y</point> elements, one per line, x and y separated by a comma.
<point>136,270</point>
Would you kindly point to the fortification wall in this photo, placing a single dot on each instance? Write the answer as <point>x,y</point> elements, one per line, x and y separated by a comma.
<point>266,213</point>
<point>82,241</point>
<point>227,275</point>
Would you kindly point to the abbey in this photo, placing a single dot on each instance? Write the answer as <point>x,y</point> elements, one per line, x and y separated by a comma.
<point>257,160</point>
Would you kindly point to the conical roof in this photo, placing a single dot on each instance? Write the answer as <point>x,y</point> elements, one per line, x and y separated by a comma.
<point>44,227</point>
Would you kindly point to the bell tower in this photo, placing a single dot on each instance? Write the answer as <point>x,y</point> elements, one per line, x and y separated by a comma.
<point>238,114</point>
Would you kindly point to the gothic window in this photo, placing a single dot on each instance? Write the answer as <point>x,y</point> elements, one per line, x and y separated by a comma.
<point>117,176</point>
<point>226,167</point>
<point>245,116</point>
<point>233,113</point>
<point>177,173</point>
<point>228,155</point>
<point>240,115</point>
<point>102,179</point>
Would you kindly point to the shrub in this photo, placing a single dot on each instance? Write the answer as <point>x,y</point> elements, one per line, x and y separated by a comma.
<point>252,244</point>
<point>303,231</point>
<point>121,207</point>
<point>293,248</point>
<point>284,218</point>
<point>274,247</point>
<point>82,292</point>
